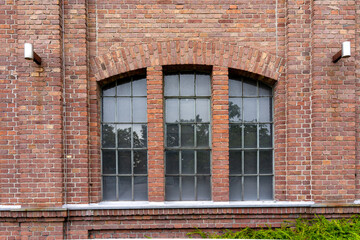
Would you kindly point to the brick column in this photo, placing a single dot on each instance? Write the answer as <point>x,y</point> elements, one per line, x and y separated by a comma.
<point>357,67</point>
<point>155,134</point>
<point>220,134</point>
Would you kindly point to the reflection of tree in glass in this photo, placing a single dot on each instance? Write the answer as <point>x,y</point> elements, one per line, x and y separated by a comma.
<point>264,135</point>
<point>108,138</point>
<point>234,111</point>
<point>140,142</point>
<point>140,162</point>
<point>124,137</point>
<point>202,133</point>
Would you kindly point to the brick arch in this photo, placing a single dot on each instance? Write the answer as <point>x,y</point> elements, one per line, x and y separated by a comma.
<point>224,54</point>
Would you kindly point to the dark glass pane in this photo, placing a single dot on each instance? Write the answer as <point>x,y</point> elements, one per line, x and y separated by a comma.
<point>250,88</point>
<point>109,109</point>
<point>264,90</point>
<point>187,110</point>
<point>124,88</point>
<point>235,162</point>
<point>171,85</point>
<point>250,188</point>
<point>203,162</point>
<point>235,87</point>
<point>250,162</point>
<point>124,109</point>
<point>172,162</point>
<point>109,188</point>
<point>139,87</point>
<point>108,135</point>
<point>265,161</point>
<point>202,110</point>
<point>172,135</point>
<point>124,161</point>
<point>140,188</point>
<point>203,188</point>
<point>235,109</point>
<point>250,109</point>
<point>125,188</point>
<point>203,85</point>
<point>250,139</point>
<point>265,135</point>
<point>187,135</point>
<point>139,109</point>
<point>265,109</point>
<point>140,162</point>
<point>139,135</point>
<point>109,90</point>
<point>172,110</point>
<point>235,136</point>
<point>109,161</point>
<point>188,188</point>
<point>187,162</point>
<point>202,135</point>
<point>235,188</point>
<point>124,135</point>
<point>265,188</point>
<point>187,84</point>
<point>172,191</point>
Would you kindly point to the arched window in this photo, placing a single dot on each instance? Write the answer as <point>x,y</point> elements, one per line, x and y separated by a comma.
<point>250,140</point>
<point>124,140</point>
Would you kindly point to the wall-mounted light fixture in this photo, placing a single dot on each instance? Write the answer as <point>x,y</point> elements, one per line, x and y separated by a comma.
<point>29,53</point>
<point>345,52</point>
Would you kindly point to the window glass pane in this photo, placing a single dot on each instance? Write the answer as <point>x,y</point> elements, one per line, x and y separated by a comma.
<point>124,88</point>
<point>203,85</point>
<point>125,188</point>
<point>235,87</point>
<point>172,162</point>
<point>171,85</point>
<point>187,135</point>
<point>124,109</point>
<point>265,109</point>
<point>124,135</point>
<point>235,188</point>
<point>203,162</point>
<point>139,135</point>
<point>172,135</point>
<point>124,161</point>
<point>250,139</point>
<point>250,88</point>
<point>109,188</point>
<point>235,163</point>
<point>235,109</point>
<point>109,161</point>
<point>172,190</point>
<point>188,188</point>
<point>202,135</point>
<point>265,188</point>
<point>140,162</point>
<point>139,109</point>
<point>187,84</point>
<point>250,162</point>
<point>202,110</point>
<point>108,109</point>
<point>265,135</point>
<point>108,136</point>
<point>139,87</point>
<point>250,188</point>
<point>264,90</point>
<point>172,110</point>
<point>203,188</point>
<point>250,109</point>
<point>187,110</point>
<point>265,161</point>
<point>235,137</point>
<point>187,162</point>
<point>109,90</point>
<point>140,188</point>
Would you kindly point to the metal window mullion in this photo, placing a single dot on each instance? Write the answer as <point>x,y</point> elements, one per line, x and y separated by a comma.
<point>257,144</point>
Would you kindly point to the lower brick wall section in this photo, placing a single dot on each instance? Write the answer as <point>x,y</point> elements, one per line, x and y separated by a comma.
<point>154,223</point>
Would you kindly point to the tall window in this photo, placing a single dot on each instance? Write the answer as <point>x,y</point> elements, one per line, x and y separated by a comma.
<point>124,140</point>
<point>187,144</point>
<point>251,148</point>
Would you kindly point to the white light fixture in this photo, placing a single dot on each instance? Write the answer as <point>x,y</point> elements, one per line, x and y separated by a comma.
<point>29,53</point>
<point>344,53</point>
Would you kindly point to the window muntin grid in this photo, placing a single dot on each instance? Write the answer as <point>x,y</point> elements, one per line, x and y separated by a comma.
<point>187,141</point>
<point>250,140</point>
<point>124,140</point>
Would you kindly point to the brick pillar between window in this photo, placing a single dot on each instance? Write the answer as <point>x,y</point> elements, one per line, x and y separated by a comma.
<point>155,134</point>
<point>220,134</point>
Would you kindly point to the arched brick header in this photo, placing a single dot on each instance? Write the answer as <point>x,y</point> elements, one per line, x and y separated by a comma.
<point>221,54</point>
